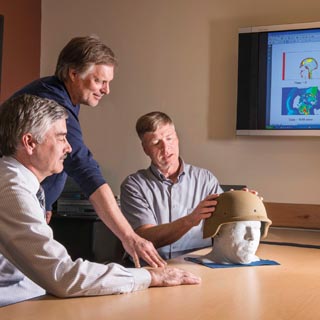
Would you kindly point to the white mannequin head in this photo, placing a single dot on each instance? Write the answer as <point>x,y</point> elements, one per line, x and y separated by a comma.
<point>236,243</point>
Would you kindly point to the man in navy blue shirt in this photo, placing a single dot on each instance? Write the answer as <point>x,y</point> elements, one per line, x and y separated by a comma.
<point>83,74</point>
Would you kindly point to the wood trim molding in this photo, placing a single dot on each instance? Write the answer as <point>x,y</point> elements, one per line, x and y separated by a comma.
<point>294,215</point>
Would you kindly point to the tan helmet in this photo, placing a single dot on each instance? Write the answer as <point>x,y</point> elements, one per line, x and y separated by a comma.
<point>234,206</point>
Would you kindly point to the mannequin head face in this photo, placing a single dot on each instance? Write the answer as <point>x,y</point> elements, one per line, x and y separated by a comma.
<point>239,241</point>
<point>236,243</point>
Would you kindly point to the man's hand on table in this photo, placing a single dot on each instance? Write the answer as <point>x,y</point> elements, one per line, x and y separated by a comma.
<point>139,247</point>
<point>170,276</point>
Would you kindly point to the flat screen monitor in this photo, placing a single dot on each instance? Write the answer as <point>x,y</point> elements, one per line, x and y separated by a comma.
<point>279,80</point>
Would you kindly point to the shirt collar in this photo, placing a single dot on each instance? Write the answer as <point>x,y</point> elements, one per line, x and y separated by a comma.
<point>161,177</point>
<point>33,182</point>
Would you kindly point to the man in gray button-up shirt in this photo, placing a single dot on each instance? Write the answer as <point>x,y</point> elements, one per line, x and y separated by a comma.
<point>167,202</point>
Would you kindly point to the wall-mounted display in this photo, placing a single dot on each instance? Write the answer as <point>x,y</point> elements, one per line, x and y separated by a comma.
<point>279,80</point>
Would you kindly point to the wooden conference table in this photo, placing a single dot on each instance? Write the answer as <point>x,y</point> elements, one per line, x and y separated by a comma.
<point>288,291</point>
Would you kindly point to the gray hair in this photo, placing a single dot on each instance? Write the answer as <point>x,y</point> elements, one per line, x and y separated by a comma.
<point>26,114</point>
<point>151,121</point>
<point>81,53</point>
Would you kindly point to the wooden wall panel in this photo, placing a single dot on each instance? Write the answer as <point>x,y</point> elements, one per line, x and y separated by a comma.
<point>294,215</point>
<point>21,44</point>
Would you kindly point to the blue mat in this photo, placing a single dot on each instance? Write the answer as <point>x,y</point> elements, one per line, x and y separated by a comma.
<point>261,262</point>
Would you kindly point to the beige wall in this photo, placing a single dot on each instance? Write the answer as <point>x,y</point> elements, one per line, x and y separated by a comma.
<point>180,57</point>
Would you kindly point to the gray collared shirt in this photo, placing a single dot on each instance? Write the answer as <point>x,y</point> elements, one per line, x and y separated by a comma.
<point>147,197</point>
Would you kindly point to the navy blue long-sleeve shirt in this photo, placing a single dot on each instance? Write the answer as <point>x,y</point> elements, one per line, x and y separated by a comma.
<point>80,164</point>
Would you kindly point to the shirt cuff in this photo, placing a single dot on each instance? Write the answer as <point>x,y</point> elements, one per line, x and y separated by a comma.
<point>141,277</point>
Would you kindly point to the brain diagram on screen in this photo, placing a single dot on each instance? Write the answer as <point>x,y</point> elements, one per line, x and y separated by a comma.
<point>307,66</point>
<point>302,100</point>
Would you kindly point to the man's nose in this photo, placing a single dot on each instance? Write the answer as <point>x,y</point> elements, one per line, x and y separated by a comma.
<point>68,147</point>
<point>105,89</point>
<point>164,146</point>
<point>249,234</point>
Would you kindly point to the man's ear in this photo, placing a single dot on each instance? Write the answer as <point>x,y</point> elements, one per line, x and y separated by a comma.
<point>72,74</point>
<point>28,143</point>
<point>144,149</point>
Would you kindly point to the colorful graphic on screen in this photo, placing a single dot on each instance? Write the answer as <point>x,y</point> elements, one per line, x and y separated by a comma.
<point>307,66</point>
<point>300,101</point>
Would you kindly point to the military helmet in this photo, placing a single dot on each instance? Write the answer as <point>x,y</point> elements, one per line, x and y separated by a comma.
<point>235,206</point>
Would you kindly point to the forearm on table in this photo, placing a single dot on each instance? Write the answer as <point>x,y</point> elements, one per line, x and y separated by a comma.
<point>106,207</point>
<point>167,233</point>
